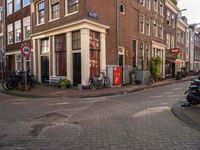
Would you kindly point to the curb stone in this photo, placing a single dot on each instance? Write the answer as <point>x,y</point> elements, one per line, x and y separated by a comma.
<point>177,110</point>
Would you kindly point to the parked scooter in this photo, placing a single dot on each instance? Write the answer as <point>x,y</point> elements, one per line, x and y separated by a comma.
<point>193,96</point>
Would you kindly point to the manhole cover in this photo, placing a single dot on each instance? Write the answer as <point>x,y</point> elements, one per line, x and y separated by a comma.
<point>52,117</point>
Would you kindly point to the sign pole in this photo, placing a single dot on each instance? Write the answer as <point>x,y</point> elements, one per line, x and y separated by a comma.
<point>25,75</point>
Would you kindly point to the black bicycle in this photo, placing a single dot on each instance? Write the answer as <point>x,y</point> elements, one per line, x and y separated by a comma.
<point>99,82</point>
<point>13,80</point>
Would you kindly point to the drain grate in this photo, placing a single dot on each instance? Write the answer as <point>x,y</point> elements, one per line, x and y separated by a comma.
<point>52,117</point>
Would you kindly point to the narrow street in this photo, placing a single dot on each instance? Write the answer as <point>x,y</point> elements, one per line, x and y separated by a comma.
<point>140,120</point>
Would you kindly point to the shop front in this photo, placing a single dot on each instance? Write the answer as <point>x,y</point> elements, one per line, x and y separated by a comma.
<point>76,51</point>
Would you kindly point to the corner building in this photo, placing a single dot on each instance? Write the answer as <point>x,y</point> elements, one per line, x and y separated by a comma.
<point>79,39</point>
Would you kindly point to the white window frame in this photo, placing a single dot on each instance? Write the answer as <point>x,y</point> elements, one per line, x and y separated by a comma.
<point>66,8</point>
<point>122,8</point>
<point>26,23</point>
<point>168,41</point>
<point>19,1</point>
<point>9,2</point>
<point>18,27</point>
<point>161,7</point>
<point>141,22</point>
<point>148,4</point>
<point>155,24</point>
<point>155,5</point>
<point>161,30</point>
<point>37,12</point>
<point>148,26</point>
<point>1,13</point>
<point>26,4</point>
<point>10,29</point>
<point>20,61</point>
<point>172,42</point>
<point>142,2</point>
<point>50,11</point>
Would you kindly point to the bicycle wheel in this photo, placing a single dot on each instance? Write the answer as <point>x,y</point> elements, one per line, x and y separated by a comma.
<point>4,85</point>
<point>93,86</point>
<point>106,82</point>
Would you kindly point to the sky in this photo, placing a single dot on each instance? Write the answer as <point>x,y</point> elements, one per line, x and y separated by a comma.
<point>193,10</point>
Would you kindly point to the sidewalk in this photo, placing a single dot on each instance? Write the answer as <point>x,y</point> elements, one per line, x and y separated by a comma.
<point>45,90</point>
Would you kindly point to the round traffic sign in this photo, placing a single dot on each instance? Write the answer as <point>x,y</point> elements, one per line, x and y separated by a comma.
<point>25,49</point>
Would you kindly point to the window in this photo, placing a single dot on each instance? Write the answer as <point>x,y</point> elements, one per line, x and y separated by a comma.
<point>142,2</point>
<point>148,26</point>
<point>161,7</point>
<point>161,31</point>
<point>155,5</point>
<point>140,55</point>
<point>60,55</point>
<point>146,56</point>
<point>155,28</point>
<point>173,21</point>
<point>26,28</point>
<point>17,4</point>
<point>168,41</point>
<point>55,9</point>
<point>134,45</point>
<point>71,6</point>
<point>94,54</point>
<point>148,5</point>
<point>141,23</point>
<point>168,18</point>
<point>18,62</point>
<point>40,12</point>
<point>9,7</point>
<point>44,46</point>
<point>1,13</point>
<point>26,2</point>
<point>178,36</point>
<point>17,31</point>
<point>172,41</point>
<point>122,8</point>
<point>182,37</point>
<point>76,40</point>
<point>10,33</point>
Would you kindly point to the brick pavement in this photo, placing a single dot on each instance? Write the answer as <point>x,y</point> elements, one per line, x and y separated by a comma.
<point>141,120</point>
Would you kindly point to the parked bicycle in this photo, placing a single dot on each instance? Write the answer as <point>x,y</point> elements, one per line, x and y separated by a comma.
<point>99,82</point>
<point>148,80</point>
<point>13,80</point>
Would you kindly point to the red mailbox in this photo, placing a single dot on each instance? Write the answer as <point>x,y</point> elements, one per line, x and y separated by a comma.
<point>117,75</point>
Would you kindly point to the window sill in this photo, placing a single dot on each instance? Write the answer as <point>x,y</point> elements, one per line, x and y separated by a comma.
<point>54,19</point>
<point>66,15</point>
<point>39,24</point>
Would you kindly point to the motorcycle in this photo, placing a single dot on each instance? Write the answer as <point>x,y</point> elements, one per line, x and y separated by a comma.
<point>13,80</point>
<point>193,96</point>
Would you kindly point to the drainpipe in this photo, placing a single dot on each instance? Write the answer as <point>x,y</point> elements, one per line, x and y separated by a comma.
<point>4,38</point>
<point>117,31</point>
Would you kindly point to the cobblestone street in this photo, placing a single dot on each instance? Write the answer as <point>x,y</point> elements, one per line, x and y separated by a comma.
<point>140,120</point>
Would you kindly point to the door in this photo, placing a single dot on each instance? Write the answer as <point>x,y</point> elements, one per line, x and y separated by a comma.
<point>121,63</point>
<point>77,69</point>
<point>44,68</point>
<point>173,70</point>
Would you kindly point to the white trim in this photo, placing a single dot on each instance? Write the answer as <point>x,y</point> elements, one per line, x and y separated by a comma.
<point>171,6</point>
<point>81,24</point>
<point>66,15</point>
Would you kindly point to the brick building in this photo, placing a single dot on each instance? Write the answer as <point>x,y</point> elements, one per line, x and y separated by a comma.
<point>171,15</point>
<point>17,31</point>
<point>1,38</point>
<point>181,43</point>
<point>79,39</point>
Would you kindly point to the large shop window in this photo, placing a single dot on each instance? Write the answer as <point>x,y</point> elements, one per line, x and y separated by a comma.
<point>60,55</point>
<point>94,54</point>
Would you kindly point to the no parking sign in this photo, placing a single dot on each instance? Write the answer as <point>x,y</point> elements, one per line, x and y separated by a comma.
<point>25,49</point>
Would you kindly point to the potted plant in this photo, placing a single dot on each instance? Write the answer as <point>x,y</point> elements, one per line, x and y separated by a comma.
<point>155,67</point>
<point>64,83</point>
<point>183,71</point>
